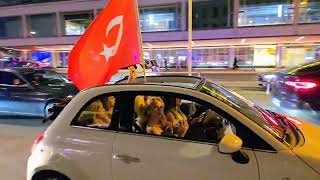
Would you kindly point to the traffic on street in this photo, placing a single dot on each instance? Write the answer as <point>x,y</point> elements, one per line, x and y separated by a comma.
<point>167,89</point>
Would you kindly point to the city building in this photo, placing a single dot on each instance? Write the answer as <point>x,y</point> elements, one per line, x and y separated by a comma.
<point>259,33</point>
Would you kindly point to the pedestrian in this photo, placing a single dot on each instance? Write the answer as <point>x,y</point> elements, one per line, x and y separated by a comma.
<point>235,63</point>
<point>178,65</point>
<point>165,63</point>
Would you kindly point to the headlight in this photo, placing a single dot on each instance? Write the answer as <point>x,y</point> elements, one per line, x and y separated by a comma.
<point>269,76</point>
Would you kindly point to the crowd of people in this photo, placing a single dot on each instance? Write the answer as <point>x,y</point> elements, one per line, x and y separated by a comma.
<point>17,62</point>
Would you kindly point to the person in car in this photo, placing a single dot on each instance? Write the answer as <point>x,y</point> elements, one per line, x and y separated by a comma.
<point>140,104</point>
<point>155,118</point>
<point>99,112</point>
<point>174,115</point>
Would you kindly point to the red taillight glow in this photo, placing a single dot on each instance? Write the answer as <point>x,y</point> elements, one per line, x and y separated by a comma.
<point>301,84</point>
<point>36,142</point>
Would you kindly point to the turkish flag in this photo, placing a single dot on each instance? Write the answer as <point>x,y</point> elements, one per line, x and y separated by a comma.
<point>111,42</point>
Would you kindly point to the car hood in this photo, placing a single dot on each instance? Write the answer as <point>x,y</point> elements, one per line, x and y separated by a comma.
<point>309,152</point>
<point>59,91</point>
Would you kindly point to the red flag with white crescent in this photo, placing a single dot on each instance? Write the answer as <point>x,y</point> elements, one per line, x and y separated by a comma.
<point>111,42</point>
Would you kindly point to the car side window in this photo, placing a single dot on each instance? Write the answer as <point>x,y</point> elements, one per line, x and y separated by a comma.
<point>8,78</point>
<point>183,117</point>
<point>177,117</point>
<point>97,113</point>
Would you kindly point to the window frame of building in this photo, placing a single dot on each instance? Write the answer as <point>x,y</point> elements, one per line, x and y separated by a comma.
<point>34,34</point>
<point>177,17</point>
<point>90,14</point>
<point>213,20</point>
<point>306,13</point>
<point>287,16</point>
<point>18,29</point>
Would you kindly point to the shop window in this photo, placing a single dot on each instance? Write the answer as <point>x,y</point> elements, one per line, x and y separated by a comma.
<point>265,12</point>
<point>7,24</point>
<point>77,23</point>
<point>244,56</point>
<point>63,59</point>
<point>43,25</point>
<point>309,11</point>
<point>264,56</point>
<point>204,58</point>
<point>171,58</point>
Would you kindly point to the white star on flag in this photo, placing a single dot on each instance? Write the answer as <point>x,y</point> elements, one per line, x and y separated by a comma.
<point>107,52</point>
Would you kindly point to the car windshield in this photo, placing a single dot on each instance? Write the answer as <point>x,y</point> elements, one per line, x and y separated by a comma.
<point>263,118</point>
<point>43,78</point>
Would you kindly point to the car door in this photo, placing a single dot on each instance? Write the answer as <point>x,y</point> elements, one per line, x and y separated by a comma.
<point>90,140</point>
<point>17,97</point>
<point>146,156</point>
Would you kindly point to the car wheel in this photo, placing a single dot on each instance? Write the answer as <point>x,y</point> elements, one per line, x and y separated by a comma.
<point>49,105</point>
<point>49,175</point>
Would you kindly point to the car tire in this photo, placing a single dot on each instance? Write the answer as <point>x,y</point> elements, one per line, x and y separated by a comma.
<point>49,105</point>
<point>49,175</point>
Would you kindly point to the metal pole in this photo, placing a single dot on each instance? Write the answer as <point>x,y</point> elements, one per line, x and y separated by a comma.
<point>190,39</point>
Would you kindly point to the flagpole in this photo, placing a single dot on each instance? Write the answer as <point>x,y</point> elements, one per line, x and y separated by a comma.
<point>140,40</point>
<point>190,39</point>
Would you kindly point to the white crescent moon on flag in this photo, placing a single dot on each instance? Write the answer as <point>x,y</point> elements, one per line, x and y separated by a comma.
<point>111,51</point>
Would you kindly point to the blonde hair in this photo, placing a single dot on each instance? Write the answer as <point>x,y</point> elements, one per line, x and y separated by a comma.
<point>151,103</point>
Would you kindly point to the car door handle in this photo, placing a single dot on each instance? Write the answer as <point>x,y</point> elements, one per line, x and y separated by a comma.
<point>126,159</point>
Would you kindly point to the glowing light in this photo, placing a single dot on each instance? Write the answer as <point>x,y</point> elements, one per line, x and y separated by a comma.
<point>300,38</point>
<point>274,122</point>
<point>243,41</point>
<point>280,10</point>
<point>294,120</point>
<point>301,85</point>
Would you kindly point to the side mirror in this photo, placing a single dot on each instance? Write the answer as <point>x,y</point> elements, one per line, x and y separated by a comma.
<point>230,143</point>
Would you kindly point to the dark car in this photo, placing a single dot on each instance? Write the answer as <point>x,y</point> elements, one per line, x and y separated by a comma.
<point>264,78</point>
<point>32,91</point>
<point>298,87</point>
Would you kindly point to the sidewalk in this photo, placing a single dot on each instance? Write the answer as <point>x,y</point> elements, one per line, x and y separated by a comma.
<point>218,71</point>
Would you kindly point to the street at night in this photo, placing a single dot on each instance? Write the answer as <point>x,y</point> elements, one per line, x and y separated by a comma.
<point>161,90</point>
<point>17,134</point>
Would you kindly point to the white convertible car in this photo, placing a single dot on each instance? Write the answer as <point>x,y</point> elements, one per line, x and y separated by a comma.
<point>99,136</point>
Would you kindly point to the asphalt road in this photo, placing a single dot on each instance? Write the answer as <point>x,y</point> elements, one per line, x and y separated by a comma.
<point>17,134</point>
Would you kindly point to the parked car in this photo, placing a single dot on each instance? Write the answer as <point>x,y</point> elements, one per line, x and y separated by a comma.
<point>227,136</point>
<point>32,91</point>
<point>298,87</point>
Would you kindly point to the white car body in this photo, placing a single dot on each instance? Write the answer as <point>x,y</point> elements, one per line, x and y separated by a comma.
<point>82,153</point>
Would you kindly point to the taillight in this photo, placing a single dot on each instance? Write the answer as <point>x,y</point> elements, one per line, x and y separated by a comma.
<point>36,142</point>
<point>301,84</point>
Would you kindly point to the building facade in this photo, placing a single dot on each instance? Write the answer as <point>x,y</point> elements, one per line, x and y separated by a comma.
<point>260,33</point>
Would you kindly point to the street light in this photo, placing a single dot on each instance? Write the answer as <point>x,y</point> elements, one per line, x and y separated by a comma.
<point>190,39</point>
